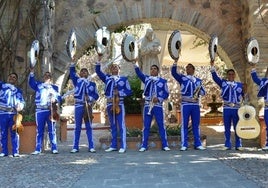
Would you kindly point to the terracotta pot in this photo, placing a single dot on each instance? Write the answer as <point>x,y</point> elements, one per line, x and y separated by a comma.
<point>134,121</point>
<point>27,137</point>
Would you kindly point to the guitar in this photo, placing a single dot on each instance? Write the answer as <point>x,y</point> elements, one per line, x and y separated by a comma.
<point>247,126</point>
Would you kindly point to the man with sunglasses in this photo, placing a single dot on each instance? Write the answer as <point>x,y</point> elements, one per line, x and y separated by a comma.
<point>11,102</point>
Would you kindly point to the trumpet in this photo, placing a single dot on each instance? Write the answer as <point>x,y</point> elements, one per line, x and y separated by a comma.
<point>151,105</point>
<point>196,92</point>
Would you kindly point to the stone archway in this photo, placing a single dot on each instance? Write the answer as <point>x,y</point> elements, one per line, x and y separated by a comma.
<point>230,20</point>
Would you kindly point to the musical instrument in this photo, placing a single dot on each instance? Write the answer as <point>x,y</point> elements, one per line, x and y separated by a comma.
<point>252,51</point>
<point>174,45</point>
<point>196,92</point>
<point>116,100</point>
<point>151,105</point>
<point>129,48</point>
<point>17,126</point>
<point>212,47</point>
<point>71,44</point>
<point>247,126</point>
<point>102,38</point>
<point>34,53</point>
<point>88,114</point>
<point>54,116</point>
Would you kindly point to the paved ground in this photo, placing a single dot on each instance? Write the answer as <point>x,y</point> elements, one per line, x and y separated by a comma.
<point>211,168</point>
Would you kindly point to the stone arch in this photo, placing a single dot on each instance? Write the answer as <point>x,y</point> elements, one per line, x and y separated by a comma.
<point>165,16</point>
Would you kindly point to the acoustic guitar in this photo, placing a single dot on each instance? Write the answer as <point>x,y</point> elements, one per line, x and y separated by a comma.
<point>247,126</point>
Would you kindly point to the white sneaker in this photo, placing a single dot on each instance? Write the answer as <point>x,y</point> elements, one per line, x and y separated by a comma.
<point>239,148</point>
<point>74,151</point>
<point>16,155</point>
<point>200,148</point>
<point>226,148</point>
<point>122,150</point>
<point>265,148</point>
<point>166,149</point>
<point>2,155</point>
<point>55,151</point>
<point>110,149</point>
<point>36,153</point>
<point>142,149</point>
<point>92,150</point>
<point>183,148</point>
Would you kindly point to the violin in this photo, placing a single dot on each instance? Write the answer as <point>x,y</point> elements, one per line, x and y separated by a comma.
<point>88,115</point>
<point>18,125</point>
<point>116,100</point>
<point>54,112</point>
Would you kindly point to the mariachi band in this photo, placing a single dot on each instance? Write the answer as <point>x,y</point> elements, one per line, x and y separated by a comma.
<point>236,110</point>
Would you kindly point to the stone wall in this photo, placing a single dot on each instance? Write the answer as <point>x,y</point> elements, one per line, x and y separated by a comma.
<point>232,21</point>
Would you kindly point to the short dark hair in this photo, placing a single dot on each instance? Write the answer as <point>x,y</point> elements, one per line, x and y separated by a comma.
<point>156,67</point>
<point>115,64</point>
<point>230,70</point>
<point>14,74</point>
<point>190,64</point>
<point>48,73</point>
<point>83,69</point>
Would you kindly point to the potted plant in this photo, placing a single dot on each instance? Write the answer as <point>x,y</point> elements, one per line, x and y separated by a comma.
<point>133,104</point>
<point>134,137</point>
<point>28,135</point>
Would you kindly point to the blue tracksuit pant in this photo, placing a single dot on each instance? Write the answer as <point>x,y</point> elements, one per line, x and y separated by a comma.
<point>230,116</point>
<point>157,112</point>
<point>266,123</point>
<point>43,118</point>
<point>190,110</point>
<point>120,120</point>
<point>79,113</point>
<point>6,123</point>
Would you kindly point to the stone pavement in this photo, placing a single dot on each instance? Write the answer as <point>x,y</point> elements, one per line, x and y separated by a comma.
<point>211,168</point>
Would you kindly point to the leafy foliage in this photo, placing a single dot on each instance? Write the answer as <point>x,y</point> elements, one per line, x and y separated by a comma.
<point>133,102</point>
<point>171,131</point>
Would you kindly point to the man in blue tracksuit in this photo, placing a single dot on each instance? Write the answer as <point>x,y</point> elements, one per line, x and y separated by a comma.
<point>155,92</point>
<point>85,95</point>
<point>46,98</point>
<point>116,88</point>
<point>232,94</point>
<point>11,102</point>
<point>191,90</point>
<point>263,92</point>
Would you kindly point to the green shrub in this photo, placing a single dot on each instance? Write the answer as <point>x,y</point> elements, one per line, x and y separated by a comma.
<point>133,102</point>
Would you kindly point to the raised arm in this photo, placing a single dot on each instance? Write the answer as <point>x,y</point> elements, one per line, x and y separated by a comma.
<point>98,70</point>
<point>139,72</point>
<point>215,77</point>
<point>255,77</point>
<point>174,72</point>
<point>31,80</point>
<point>73,75</point>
